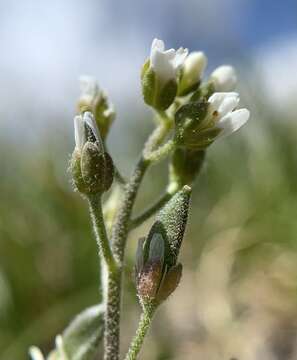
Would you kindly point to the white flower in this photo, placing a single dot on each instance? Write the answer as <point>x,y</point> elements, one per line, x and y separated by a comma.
<point>194,66</point>
<point>35,353</point>
<point>166,63</point>
<point>83,125</point>
<point>224,78</point>
<point>222,113</point>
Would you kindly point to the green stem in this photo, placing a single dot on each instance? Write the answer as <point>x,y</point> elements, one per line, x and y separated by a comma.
<point>119,238</point>
<point>143,326</point>
<point>161,152</point>
<point>100,231</point>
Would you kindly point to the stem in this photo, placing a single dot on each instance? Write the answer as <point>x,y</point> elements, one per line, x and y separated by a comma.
<point>161,152</point>
<point>119,239</point>
<point>143,326</point>
<point>100,231</point>
<point>112,317</point>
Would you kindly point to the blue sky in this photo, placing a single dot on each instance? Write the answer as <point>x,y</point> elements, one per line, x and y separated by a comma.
<point>47,45</point>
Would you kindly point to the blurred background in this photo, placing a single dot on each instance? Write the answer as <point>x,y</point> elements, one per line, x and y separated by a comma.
<point>238,296</point>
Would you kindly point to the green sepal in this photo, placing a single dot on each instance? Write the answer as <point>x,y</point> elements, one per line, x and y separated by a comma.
<point>166,95</point>
<point>149,86</point>
<point>75,168</point>
<point>186,165</point>
<point>97,168</point>
<point>199,140</point>
<point>189,116</point>
<point>203,92</point>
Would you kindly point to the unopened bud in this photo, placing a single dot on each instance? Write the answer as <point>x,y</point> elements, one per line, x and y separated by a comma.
<point>96,169</point>
<point>91,166</point>
<point>192,73</point>
<point>94,100</point>
<point>224,78</point>
<point>157,94</point>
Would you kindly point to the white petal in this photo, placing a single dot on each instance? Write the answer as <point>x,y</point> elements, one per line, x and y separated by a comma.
<point>223,102</point>
<point>157,44</point>
<point>229,103</point>
<point>35,353</point>
<point>224,78</point>
<point>165,63</point>
<point>195,65</point>
<point>79,132</point>
<point>89,119</point>
<point>233,121</point>
<point>180,57</point>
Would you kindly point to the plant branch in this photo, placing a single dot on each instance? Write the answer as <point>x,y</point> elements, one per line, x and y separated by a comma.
<point>150,211</point>
<point>100,231</point>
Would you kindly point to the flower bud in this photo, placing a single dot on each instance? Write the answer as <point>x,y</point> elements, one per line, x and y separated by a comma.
<point>91,166</point>
<point>157,271</point>
<point>192,73</point>
<point>223,78</point>
<point>94,100</point>
<point>96,169</point>
<point>155,279</point>
<point>159,75</point>
<point>185,165</point>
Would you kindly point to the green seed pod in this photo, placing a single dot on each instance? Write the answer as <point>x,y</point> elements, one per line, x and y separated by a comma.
<point>186,165</point>
<point>96,168</point>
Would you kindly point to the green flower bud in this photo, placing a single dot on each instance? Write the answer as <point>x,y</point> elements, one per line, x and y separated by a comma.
<point>96,168</point>
<point>91,166</point>
<point>155,278</point>
<point>157,271</point>
<point>156,94</point>
<point>160,74</point>
<point>185,165</point>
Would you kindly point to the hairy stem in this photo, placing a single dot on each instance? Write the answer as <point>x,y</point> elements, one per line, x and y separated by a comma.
<point>100,231</point>
<point>119,238</point>
<point>143,326</point>
<point>112,317</point>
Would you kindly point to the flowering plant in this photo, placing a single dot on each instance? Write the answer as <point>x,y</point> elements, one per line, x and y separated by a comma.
<point>191,114</point>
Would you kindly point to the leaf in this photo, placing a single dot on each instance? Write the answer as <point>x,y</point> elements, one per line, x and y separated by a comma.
<point>81,339</point>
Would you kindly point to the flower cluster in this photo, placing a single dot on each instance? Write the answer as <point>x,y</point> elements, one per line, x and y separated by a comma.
<point>205,110</point>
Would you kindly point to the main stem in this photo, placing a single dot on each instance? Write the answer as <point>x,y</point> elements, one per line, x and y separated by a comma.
<point>143,326</point>
<point>119,239</point>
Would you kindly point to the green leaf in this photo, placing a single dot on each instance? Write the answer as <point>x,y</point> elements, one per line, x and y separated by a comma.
<point>81,339</point>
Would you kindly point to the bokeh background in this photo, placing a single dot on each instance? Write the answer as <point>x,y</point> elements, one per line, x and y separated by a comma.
<point>238,297</point>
